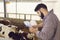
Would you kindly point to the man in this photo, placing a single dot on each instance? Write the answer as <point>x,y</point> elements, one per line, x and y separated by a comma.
<point>50,23</point>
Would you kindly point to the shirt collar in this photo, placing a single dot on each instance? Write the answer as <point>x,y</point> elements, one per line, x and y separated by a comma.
<point>50,12</point>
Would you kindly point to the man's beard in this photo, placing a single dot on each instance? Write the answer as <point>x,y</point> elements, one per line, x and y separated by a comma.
<point>42,15</point>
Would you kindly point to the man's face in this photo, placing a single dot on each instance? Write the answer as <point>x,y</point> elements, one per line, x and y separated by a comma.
<point>40,13</point>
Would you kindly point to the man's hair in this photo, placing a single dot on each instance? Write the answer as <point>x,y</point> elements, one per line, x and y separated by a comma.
<point>40,6</point>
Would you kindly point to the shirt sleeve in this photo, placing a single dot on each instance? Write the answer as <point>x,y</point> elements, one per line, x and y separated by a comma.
<point>48,29</point>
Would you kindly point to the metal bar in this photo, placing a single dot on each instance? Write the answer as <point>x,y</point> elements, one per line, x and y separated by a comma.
<point>16,8</point>
<point>4,9</point>
<point>24,16</point>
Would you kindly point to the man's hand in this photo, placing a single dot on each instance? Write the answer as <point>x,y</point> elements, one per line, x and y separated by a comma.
<point>35,26</point>
<point>38,26</point>
<point>33,30</point>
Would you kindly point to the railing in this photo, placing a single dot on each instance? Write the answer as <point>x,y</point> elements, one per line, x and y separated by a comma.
<point>21,16</point>
<point>1,14</point>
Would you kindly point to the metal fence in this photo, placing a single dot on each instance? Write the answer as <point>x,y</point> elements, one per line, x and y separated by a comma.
<point>21,16</point>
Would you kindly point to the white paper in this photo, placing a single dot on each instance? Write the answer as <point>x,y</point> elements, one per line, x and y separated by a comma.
<point>30,23</point>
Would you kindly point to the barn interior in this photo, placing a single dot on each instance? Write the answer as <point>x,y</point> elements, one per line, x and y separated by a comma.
<point>13,13</point>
